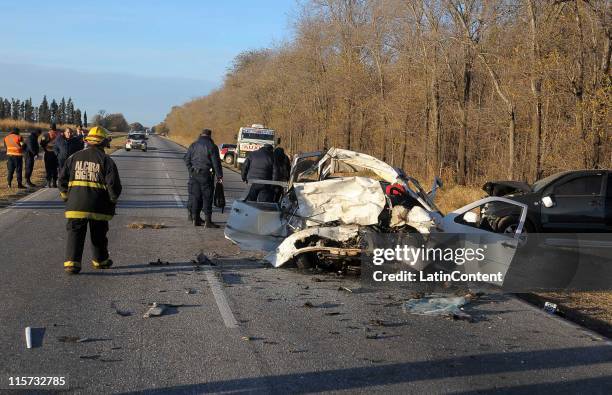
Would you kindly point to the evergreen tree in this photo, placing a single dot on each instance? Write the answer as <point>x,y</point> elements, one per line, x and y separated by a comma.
<point>2,108</point>
<point>69,118</point>
<point>43,111</point>
<point>16,107</point>
<point>61,112</point>
<point>85,119</point>
<point>28,113</point>
<point>77,117</point>
<point>53,110</point>
<point>7,108</point>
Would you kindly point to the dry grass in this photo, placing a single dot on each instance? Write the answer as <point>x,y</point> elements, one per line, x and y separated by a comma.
<point>597,305</point>
<point>453,197</point>
<point>118,142</point>
<point>23,125</point>
<point>7,195</point>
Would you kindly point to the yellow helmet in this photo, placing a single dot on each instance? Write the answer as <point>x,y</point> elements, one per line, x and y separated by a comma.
<point>96,135</point>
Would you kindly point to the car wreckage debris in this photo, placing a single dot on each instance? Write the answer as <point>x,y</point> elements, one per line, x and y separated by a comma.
<point>439,305</point>
<point>202,259</point>
<point>140,225</point>
<point>159,262</point>
<point>158,309</point>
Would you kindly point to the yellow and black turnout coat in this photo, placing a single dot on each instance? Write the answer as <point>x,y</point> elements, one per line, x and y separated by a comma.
<point>89,184</point>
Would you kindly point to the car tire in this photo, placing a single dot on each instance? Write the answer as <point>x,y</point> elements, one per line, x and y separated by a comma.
<point>229,159</point>
<point>128,149</point>
<point>509,224</point>
<point>306,261</point>
<point>144,150</point>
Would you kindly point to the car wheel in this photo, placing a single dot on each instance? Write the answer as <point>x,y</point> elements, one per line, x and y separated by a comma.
<point>509,225</point>
<point>229,159</point>
<point>128,149</point>
<point>144,150</point>
<point>305,261</point>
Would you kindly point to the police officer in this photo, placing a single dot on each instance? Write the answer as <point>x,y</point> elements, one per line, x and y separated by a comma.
<point>47,142</point>
<point>89,184</point>
<point>203,163</point>
<point>14,157</point>
<point>259,165</point>
<point>31,153</point>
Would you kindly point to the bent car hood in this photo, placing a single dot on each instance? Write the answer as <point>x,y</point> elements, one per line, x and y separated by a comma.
<point>502,188</point>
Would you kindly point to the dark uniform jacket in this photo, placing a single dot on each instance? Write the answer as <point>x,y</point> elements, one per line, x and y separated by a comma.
<point>282,165</point>
<point>32,147</point>
<point>259,165</point>
<point>90,185</point>
<point>202,156</point>
<point>65,147</point>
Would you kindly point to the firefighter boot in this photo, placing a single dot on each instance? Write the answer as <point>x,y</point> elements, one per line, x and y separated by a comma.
<point>102,265</point>
<point>72,267</point>
<point>208,222</point>
<point>198,221</point>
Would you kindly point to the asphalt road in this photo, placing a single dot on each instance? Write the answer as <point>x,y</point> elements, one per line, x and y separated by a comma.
<point>244,327</point>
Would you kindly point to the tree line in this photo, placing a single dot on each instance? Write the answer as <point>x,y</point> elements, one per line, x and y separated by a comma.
<point>466,89</point>
<point>63,112</point>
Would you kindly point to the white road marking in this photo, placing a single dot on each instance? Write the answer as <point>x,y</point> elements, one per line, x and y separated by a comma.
<point>226,313</point>
<point>24,199</point>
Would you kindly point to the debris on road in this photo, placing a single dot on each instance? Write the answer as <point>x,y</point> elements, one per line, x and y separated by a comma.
<point>308,304</point>
<point>28,335</point>
<point>140,225</point>
<point>439,305</point>
<point>93,357</point>
<point>345,289</point>
<point>202,259</point>
<point>155,310</point>
<point>550,308</point>
<point>190,291</point>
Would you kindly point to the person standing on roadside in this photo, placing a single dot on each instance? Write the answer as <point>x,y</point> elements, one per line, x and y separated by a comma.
<point>31,154</point>
<point>282,168</point>
<point>259,165</point>
<point>14,157</point>
<point>47,142</point>
<point>66,145</point>
<point>203,163</point>
<point>89,183</point>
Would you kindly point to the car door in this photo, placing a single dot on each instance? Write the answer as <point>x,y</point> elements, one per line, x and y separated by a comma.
<point>578,204</point>
<point>469,225</point>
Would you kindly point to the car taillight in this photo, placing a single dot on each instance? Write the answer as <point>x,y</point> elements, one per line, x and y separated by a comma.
<point>223,151</point>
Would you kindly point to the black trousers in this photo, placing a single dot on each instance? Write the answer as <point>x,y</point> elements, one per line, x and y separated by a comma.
<point>260,193</point>
<point>29,165</point>
<point>51,166</point>
<point>14,164</point>
<point>190,195</point>
<point>77,230</point>
<point>203,189</point>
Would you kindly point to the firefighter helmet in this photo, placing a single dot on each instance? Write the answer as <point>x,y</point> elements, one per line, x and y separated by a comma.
<point>96,135</point>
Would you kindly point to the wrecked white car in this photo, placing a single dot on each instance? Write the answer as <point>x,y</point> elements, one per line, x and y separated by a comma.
<point>331,198</point>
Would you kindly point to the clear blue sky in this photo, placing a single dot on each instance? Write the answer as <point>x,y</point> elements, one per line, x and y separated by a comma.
<point>139,57</point>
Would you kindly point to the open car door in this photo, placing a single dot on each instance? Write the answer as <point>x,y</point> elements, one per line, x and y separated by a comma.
<point>470,225</point>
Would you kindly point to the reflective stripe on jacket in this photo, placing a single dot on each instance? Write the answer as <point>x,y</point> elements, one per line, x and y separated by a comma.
<point>89,183</point>
<point>14,145</point>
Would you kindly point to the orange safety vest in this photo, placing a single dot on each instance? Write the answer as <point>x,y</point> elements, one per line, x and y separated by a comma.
<point>13,144</point>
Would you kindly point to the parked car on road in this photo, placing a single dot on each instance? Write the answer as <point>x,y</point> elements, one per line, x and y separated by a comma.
<point>136,141</point>
<point>227,153</point>
<point>570,201</point>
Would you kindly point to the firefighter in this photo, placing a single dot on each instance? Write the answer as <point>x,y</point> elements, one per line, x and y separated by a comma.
<point>47,142</point>
<point>89,184</point>
<point>259,165</point>
<point>14,157</point>
<point>31,153</point>
<point>203,163</point>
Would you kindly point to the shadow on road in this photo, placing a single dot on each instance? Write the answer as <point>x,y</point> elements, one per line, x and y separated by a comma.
<point>403,373</point>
